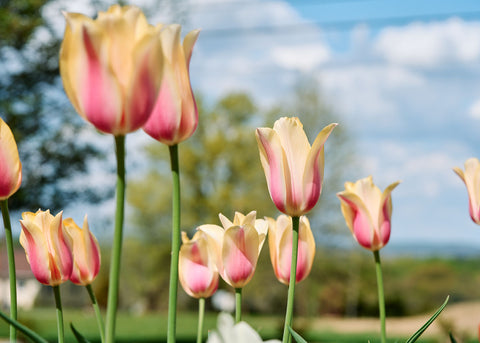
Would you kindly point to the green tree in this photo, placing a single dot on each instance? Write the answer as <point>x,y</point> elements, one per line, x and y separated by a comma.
<point>33,104</point>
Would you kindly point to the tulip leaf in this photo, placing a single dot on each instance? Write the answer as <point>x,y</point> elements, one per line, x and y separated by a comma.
<point>32,335</point>
<point>452,339</point>
<point>80,338</point>
<point>296,336</point>
<point>417,334</point>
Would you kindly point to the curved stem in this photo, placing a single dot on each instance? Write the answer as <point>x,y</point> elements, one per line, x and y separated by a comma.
<point>11,267</point>
<point>113,285</point>
<point>58,305</point>
<point>98,314</point>
<point>173,287</point>
<point>293,279</point>
<point>381,296</point>
<point>201,315</point>
<point>238,305</point>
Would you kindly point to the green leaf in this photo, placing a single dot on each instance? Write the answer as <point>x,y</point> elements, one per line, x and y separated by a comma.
<point>297,337</point>
<point>32,335</point>
<point>417,334</point>
<point>78,335</point>
<point>452,339</point>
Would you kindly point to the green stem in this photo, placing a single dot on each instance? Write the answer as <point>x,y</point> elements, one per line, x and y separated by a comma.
<point>11,267</point>
<point>173,287</point>
<point>201,315</point>
<point>238,305</point>
<point>293,279</point>
<point>381,296</point>
<point>113,285</point>
<point>58,304</point>
<point>98,314</point>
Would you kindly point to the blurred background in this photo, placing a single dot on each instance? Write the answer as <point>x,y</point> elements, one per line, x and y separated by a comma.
<point>402,78</point>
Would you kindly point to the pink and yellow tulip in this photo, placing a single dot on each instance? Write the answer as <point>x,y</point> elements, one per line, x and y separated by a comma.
<point>111,68</point>
<point>237,246</point>
<point>10,166</point>
<point>85,251</point>
<point>46,247</point>
<point>280,243</point>
<point>471,178</point>
<point>197,268</point>
<point>368,212</point>
<point>293,168</point>
<point>175,115</point>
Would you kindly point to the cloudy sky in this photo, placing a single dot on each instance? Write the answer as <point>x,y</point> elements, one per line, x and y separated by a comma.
<point>404,77</point>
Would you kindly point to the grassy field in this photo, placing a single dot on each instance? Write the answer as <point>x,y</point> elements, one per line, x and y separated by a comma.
<point>461,318</point>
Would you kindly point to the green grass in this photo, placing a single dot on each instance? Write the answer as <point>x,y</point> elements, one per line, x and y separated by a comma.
<point>152,328</point>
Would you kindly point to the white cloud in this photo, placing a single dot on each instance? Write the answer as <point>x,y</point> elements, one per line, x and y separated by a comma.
<point>431,44</point>
<point>303,57</point>
<point>474,110</point>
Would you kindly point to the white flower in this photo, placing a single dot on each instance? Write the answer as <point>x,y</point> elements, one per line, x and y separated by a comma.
<point>229,332</point>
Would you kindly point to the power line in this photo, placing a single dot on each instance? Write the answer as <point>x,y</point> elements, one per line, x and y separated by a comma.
<point>335,25</point>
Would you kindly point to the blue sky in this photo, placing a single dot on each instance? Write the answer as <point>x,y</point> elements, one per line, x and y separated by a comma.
<point>404,77</point>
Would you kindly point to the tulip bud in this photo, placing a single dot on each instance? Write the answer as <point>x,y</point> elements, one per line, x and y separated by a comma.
<point>111,68</point>
<point>85,251</point>
<point>368,212</point>
<point>280,242</point>
<point>175,116</point>
<point>46,247</point>
<point>471,178</point>
<point>197,269</point>
<point>293,168</point>
<point>237,246</point>
<point>10,166</point>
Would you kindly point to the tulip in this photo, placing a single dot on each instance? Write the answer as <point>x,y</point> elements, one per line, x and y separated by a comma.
<point>471,178</point>
<point>46,247</point>
<point>175,115</point>
<point>237,246</point>
<point>197,269</point>
<point>111,68</point>
<point>85,251</point>
<point>280,243</point>
<point>10,166</point>
<point>293,168</point>
<point>368,212</point>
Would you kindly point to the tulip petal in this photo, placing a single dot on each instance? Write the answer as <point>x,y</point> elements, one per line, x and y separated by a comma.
<point>471,178</point>
<point>274,165</point>
<point>239,254</point>
<point>10,166</point>
<point>314,167</point>
<point>296,147</point>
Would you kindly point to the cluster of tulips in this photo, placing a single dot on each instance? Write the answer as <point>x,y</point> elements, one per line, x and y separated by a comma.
<point>122,74</point>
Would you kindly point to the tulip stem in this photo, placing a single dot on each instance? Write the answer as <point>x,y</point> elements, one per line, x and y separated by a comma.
<point>11,267</point>
<point>113,284</point>
<point>238,305</point>
<point>98,314</point>
<point>58,304</point>
<point>381,296</point>
<point>201,315</point>
<point>293,277</point>
<point>173,287</point>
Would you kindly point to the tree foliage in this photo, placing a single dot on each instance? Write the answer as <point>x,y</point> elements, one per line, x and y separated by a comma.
<point>33,104</point>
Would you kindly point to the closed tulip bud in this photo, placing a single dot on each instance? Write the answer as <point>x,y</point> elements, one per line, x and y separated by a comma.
<point>471,178</point>
<point>46,247</point>
<point>237,246</point>
<point>293,168</point>
<point>197,268</point>
<point>10,166</point>
<point>85,251</point>
<point>368,212</point>
<point>280,242</point>
<point>111,68</point>
<point>175,115</point>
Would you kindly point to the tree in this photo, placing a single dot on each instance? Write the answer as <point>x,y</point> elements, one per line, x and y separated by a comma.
<point>33,104</point>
